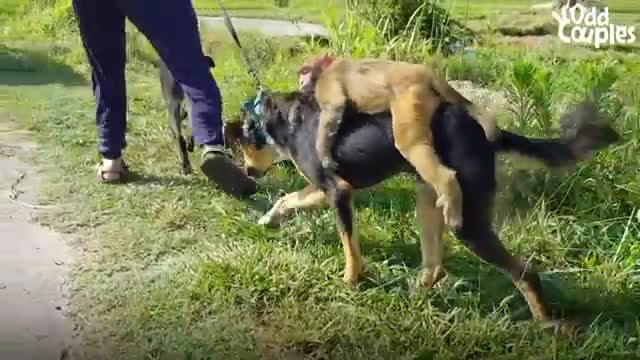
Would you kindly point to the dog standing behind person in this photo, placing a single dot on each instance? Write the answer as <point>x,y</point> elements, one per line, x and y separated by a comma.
<point>365,155</point>
<point>173,95</point>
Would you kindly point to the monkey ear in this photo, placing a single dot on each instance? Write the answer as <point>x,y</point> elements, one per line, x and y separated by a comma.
<point>326,60</point>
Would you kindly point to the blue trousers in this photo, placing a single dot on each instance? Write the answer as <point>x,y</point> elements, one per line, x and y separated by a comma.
<point>172,29</point>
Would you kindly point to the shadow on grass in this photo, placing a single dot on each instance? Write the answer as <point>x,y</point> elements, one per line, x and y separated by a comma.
<point>139,178</point>
<point>19,67</point>
<point>471,281</point>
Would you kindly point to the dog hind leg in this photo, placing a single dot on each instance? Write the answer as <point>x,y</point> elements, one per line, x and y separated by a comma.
<point>430,223</point>
<point>176,114</point>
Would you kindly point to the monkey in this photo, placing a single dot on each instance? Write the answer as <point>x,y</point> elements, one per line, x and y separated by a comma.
<point>411,92</point>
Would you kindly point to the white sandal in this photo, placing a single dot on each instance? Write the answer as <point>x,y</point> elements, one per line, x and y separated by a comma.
<point>111,171</point>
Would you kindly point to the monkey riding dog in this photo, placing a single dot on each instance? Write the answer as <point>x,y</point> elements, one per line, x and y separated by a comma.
<point>365,155</point>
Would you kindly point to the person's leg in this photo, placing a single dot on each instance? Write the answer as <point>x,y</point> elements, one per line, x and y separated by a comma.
<point>172,29</point>
<point>101,26</point>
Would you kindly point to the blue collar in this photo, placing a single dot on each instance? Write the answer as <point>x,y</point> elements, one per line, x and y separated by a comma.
<point>252,107</point>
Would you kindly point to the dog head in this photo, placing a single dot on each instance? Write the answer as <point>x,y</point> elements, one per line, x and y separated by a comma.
<point>258,156</point>
<point>261,137</point>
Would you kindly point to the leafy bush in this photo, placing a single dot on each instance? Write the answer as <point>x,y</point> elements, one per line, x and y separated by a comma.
<point>530,90</point>
<point>51,18</point>
<point>424,19</point>
<point>361,32</point>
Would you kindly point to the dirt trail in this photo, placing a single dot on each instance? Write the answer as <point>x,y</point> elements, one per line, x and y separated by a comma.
<point>33,261</point>
<point>268,27</point>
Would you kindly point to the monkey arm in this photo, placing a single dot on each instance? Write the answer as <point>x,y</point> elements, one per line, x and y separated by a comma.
<point>332,101</point>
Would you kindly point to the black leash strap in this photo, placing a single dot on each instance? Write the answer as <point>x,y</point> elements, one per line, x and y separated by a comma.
<point>251,69</point>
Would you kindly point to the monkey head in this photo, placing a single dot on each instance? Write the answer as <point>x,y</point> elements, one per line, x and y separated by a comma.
<point>311,70</point>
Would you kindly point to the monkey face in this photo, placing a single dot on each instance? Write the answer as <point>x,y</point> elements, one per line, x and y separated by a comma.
<point>307,80</point>
<point>311,70</point>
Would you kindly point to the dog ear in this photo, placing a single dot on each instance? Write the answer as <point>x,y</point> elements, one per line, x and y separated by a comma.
<point>232,132</point>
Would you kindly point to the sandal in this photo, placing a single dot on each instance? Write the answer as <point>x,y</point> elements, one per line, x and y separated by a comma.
<point>112,171</point>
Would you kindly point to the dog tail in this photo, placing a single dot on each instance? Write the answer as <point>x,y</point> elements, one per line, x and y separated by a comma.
<point>582,135</point>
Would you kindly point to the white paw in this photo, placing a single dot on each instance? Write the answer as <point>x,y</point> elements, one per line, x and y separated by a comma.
<point>266,219</point>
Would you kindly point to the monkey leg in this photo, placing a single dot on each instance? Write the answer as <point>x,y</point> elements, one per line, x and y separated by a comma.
<point>411,116</point>
<point>307,198</point>
<point>430,222</point>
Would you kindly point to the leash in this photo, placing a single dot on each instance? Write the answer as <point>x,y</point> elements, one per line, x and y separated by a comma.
<point>252,105</point>
<point>251,69</point>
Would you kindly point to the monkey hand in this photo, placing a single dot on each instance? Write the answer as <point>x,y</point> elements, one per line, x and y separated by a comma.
<point>328,163</point>
<point>451,208</point>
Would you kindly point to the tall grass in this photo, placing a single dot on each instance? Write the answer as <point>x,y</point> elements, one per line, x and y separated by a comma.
<point>49,18</point>
<point>411,31</point>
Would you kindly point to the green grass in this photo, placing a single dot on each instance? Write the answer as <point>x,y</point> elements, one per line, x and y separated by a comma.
<point>170,268</point>
<point>301,10</point>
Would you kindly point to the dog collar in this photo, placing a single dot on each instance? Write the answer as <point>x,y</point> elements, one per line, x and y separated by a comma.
<point>253,108</point>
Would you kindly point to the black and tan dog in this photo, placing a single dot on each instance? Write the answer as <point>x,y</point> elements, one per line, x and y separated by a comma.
<point>365,154</point>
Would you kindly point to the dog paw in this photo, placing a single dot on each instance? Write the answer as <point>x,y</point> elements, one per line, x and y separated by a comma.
<point>351,275</point>
<point>432,278</point>
<point>269,219</point>
<point>186,170</point>
<point>350,280</point>
<point>564,328</point>
<point>265,220</point>
<point>451,211</point>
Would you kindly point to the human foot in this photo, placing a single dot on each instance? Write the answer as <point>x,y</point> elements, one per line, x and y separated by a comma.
<point>217,166</point>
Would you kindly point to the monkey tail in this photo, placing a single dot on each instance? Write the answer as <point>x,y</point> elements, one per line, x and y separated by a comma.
<point>582,136</point>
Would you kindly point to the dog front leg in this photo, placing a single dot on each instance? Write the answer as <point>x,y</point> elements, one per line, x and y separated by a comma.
<point>307,198</point>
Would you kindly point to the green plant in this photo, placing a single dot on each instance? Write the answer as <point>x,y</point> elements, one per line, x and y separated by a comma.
<point>425,20</point>
<point>49,18</point>
<point>481,66</point>
<point>519,91</point>
<point>357,37</point>
<point>531,87</point>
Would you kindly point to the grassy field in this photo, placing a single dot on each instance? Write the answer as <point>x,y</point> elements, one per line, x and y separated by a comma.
<point>173,269</point>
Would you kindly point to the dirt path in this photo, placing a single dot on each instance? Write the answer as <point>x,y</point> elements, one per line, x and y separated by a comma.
<point>266,26</point>
<point>33,262</point>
